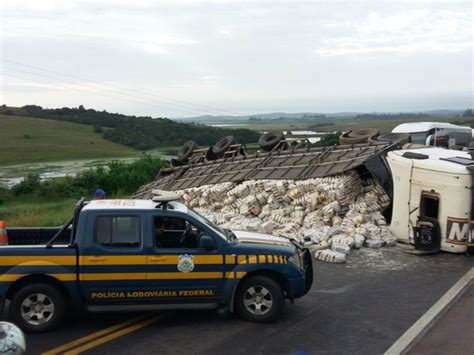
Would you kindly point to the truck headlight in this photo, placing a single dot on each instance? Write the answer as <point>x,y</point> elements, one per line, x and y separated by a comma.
<point>295,259</point>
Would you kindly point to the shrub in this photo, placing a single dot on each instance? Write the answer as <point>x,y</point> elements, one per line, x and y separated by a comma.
<point>28,186</point>
<point>328,139</point>
<point>116,178</point>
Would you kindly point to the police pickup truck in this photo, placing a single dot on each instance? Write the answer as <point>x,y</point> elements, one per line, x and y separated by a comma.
<point>117,255</point>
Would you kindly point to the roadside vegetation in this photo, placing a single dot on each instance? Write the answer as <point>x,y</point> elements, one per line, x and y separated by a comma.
<point>328,140</point>
<point>48,203</point>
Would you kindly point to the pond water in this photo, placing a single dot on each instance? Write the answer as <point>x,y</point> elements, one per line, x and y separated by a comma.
<point>14,174</point>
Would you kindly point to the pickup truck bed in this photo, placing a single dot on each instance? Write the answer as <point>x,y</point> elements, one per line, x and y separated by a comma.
<point>36,236</point>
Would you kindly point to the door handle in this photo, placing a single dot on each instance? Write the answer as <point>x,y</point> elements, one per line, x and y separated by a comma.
<point>96,258</point>
<point>157,258</point>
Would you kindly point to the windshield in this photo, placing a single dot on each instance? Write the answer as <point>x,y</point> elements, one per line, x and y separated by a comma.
<point>208,223</point>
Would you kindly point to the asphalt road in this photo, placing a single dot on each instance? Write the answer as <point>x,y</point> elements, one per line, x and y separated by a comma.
<point>360,307</point>
<point>453,333</point>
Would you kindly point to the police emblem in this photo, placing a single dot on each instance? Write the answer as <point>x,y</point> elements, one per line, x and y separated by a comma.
<point>186,263</point>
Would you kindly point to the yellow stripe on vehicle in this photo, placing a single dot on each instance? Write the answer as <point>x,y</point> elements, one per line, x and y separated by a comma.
<point>110,260</point>
<point>230,259</point>
<point>235,275</point>
<point>184,276</point>
<point>261,259</point>
<point>208,259</point>
<point>11,260</point>
<point>11,277</point>
<point>112,276</point>
<point>242,259</point>
<point>253,259</point>
<point>14,277</point>
<point>146,259</point>
<point>113,260</point>
<point>64,277</point>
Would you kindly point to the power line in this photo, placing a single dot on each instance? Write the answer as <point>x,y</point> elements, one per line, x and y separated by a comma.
<point>207,108</point>
<point>88,92</point>
<point>93,87</point>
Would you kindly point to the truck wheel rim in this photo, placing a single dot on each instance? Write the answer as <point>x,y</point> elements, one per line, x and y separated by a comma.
<point>37,309</point>
<point>258,300</point>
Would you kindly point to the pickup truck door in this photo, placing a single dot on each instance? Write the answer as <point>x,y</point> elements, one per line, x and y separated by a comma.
<point>112,261</point>
<point>178,269</point>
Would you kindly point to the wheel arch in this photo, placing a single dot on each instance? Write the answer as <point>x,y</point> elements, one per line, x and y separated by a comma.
<point>37,278</point>
<point>270,273</point>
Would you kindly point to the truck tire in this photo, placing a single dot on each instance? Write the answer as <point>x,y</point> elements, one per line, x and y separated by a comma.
<point>222,145</point>
<point>37,307</point>
<point>401,138</point>
<point>270,139</point>
<point>358,136</point>
<point>259,299</point>
<point>186,151</point>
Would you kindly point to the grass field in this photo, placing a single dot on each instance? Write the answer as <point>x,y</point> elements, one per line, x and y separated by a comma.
<point>30,212</point>
<point>32,140</point>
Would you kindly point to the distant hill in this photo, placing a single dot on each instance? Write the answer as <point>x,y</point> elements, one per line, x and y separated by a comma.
<point>32,140</point>
<point>275,115</point>
<point>141,133</point>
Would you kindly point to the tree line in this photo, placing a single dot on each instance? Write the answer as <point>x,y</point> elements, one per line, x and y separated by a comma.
<point>139,132</point>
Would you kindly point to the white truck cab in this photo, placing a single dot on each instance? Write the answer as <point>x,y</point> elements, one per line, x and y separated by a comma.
<point>433,198</point>
<point>436,133</point>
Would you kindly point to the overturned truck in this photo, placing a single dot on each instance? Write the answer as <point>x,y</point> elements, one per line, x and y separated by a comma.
<point>326,197</point>
<point>331,199</point>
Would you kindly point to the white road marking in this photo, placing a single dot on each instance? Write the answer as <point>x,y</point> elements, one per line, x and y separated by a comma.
<point>422,325</point>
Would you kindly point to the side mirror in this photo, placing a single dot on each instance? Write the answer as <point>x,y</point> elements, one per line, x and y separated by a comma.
<point>207,242</point>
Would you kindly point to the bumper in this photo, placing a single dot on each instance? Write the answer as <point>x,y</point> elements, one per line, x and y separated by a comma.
<point>308,270</point>
<point>300,286</point>
<point>296,288</point>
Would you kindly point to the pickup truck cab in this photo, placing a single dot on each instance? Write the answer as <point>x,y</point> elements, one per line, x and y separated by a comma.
<point>117,255</point>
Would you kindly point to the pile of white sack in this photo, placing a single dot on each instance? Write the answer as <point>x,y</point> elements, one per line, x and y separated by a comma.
<point>328,215</point>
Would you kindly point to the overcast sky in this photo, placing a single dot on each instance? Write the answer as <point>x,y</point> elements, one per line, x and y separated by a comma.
<point>182,58</point>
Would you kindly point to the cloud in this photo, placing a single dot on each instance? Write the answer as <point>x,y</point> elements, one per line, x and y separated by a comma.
<point>406,33</point>
<point>234,54</point>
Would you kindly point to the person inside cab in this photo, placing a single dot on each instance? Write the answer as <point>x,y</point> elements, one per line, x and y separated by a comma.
<point>175,232</point>
<point>159,231</point>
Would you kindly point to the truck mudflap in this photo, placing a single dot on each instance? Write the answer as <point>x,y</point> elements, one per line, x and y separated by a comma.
<point>308,270</point>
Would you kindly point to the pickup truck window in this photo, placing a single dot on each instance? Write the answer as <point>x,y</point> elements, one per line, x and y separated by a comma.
<point>118,232</point>
<point>175,232</point>
<point>208,223</point>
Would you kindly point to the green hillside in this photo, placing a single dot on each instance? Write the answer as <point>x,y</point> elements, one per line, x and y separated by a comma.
<point>32,140</point>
